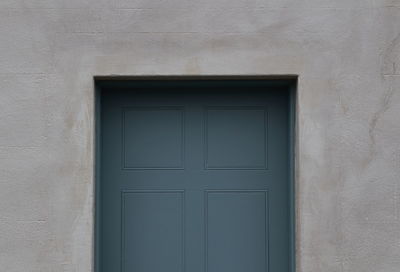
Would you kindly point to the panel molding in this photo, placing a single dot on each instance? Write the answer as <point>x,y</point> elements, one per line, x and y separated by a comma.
<point>181,166</point>
<point>122,236</point>
<point>205,137</point>
<point>266,222</point>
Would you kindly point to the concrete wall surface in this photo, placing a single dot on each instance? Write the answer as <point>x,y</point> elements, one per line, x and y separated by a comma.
<point>347,56</point>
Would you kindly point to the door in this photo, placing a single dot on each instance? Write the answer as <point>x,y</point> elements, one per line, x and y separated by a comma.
<point>194,178</point>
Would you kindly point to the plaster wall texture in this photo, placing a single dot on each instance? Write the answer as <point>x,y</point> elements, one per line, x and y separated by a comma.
<point>347,56</point>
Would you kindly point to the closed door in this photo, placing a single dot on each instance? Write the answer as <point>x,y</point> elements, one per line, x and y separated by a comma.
<point>194,179</point>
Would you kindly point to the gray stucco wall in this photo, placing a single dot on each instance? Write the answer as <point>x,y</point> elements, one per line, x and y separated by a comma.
<point>347,56</point>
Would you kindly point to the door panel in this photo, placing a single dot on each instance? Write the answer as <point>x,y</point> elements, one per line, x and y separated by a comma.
<point>194,179</point>
<point>152,230</point>
<point>153,138</point>
<point>235,138</point>
<point>236,231</point>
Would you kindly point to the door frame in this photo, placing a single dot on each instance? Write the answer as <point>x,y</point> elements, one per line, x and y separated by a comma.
<point>101,83</point>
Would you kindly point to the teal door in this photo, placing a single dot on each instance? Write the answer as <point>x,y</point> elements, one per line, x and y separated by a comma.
<point>194,178</point>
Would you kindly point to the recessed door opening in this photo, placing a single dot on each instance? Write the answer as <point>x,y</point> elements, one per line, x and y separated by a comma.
<point>195,176</point>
